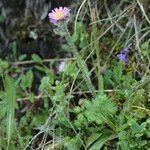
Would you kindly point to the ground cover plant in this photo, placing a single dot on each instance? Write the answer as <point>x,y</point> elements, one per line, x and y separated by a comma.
<point>75,75</point>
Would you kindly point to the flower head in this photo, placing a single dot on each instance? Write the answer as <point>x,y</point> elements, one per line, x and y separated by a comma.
<point>123,56</point>
<point>59,14</point>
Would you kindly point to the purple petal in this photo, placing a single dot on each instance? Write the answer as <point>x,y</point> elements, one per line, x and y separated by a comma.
<point>54,18</point>
<point>123,57</point>
<point>125,51</point>
<point>51,16</point>
<point>126,60</point>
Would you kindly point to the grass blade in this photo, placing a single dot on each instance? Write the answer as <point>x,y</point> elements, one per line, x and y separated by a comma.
<point>10,92</point>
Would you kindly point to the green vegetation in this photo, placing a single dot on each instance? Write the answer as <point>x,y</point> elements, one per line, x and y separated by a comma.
<point>46,102</point>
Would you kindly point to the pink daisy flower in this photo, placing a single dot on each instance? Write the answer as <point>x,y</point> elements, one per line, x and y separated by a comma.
<point>59,14</point>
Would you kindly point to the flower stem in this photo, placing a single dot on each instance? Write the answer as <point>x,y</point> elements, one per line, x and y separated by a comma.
<point>81,63</point>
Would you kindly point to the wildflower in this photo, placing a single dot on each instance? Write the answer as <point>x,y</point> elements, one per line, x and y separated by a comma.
<point>125,50</point>
<point>123,56</point>
<point>59,14</point>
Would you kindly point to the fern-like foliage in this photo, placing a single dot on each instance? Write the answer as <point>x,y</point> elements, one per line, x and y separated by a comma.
<point>100,110</point>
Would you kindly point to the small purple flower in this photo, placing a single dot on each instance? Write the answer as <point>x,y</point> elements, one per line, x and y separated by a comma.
<point>59,14</point>
<point>125,50</point>
<point>123,57</point>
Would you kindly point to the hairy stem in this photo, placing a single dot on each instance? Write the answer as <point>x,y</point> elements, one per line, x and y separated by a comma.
<point>81,63</point>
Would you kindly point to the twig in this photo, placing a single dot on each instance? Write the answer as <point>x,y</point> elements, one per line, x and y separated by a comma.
<point>77,15</point>
<point>147,110</point>
<point>41,95</point>
<point>45,60</point>
<point>86,92</point>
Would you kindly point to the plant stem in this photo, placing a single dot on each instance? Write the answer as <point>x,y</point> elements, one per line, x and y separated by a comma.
<point>97,48</point>
<point>81,63</point>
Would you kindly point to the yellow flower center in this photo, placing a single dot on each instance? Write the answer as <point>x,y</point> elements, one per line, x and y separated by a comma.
<point>59,15</point>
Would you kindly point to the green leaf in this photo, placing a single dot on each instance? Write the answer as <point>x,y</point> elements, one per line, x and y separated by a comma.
<point>124,145</point>
<point>144,48</point>
<point>45,84</point>
<point>118,72</point>
<point>71,70</point>
<point>102,140</point>
<point>22,57</point>
<point>39,68</point>
<point>133,143</point>
<point>148,120</point>
<point>142,143</point>
<point>2,19</point>
<point>31,97</point>
<point>100,110</point>
<point>3,66</point>
<point>37,59</point>
<point>29,78</point>
<point>10,91</point>
<point>93,138</point>
<point>137,129</point>
<point>122,135</point>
